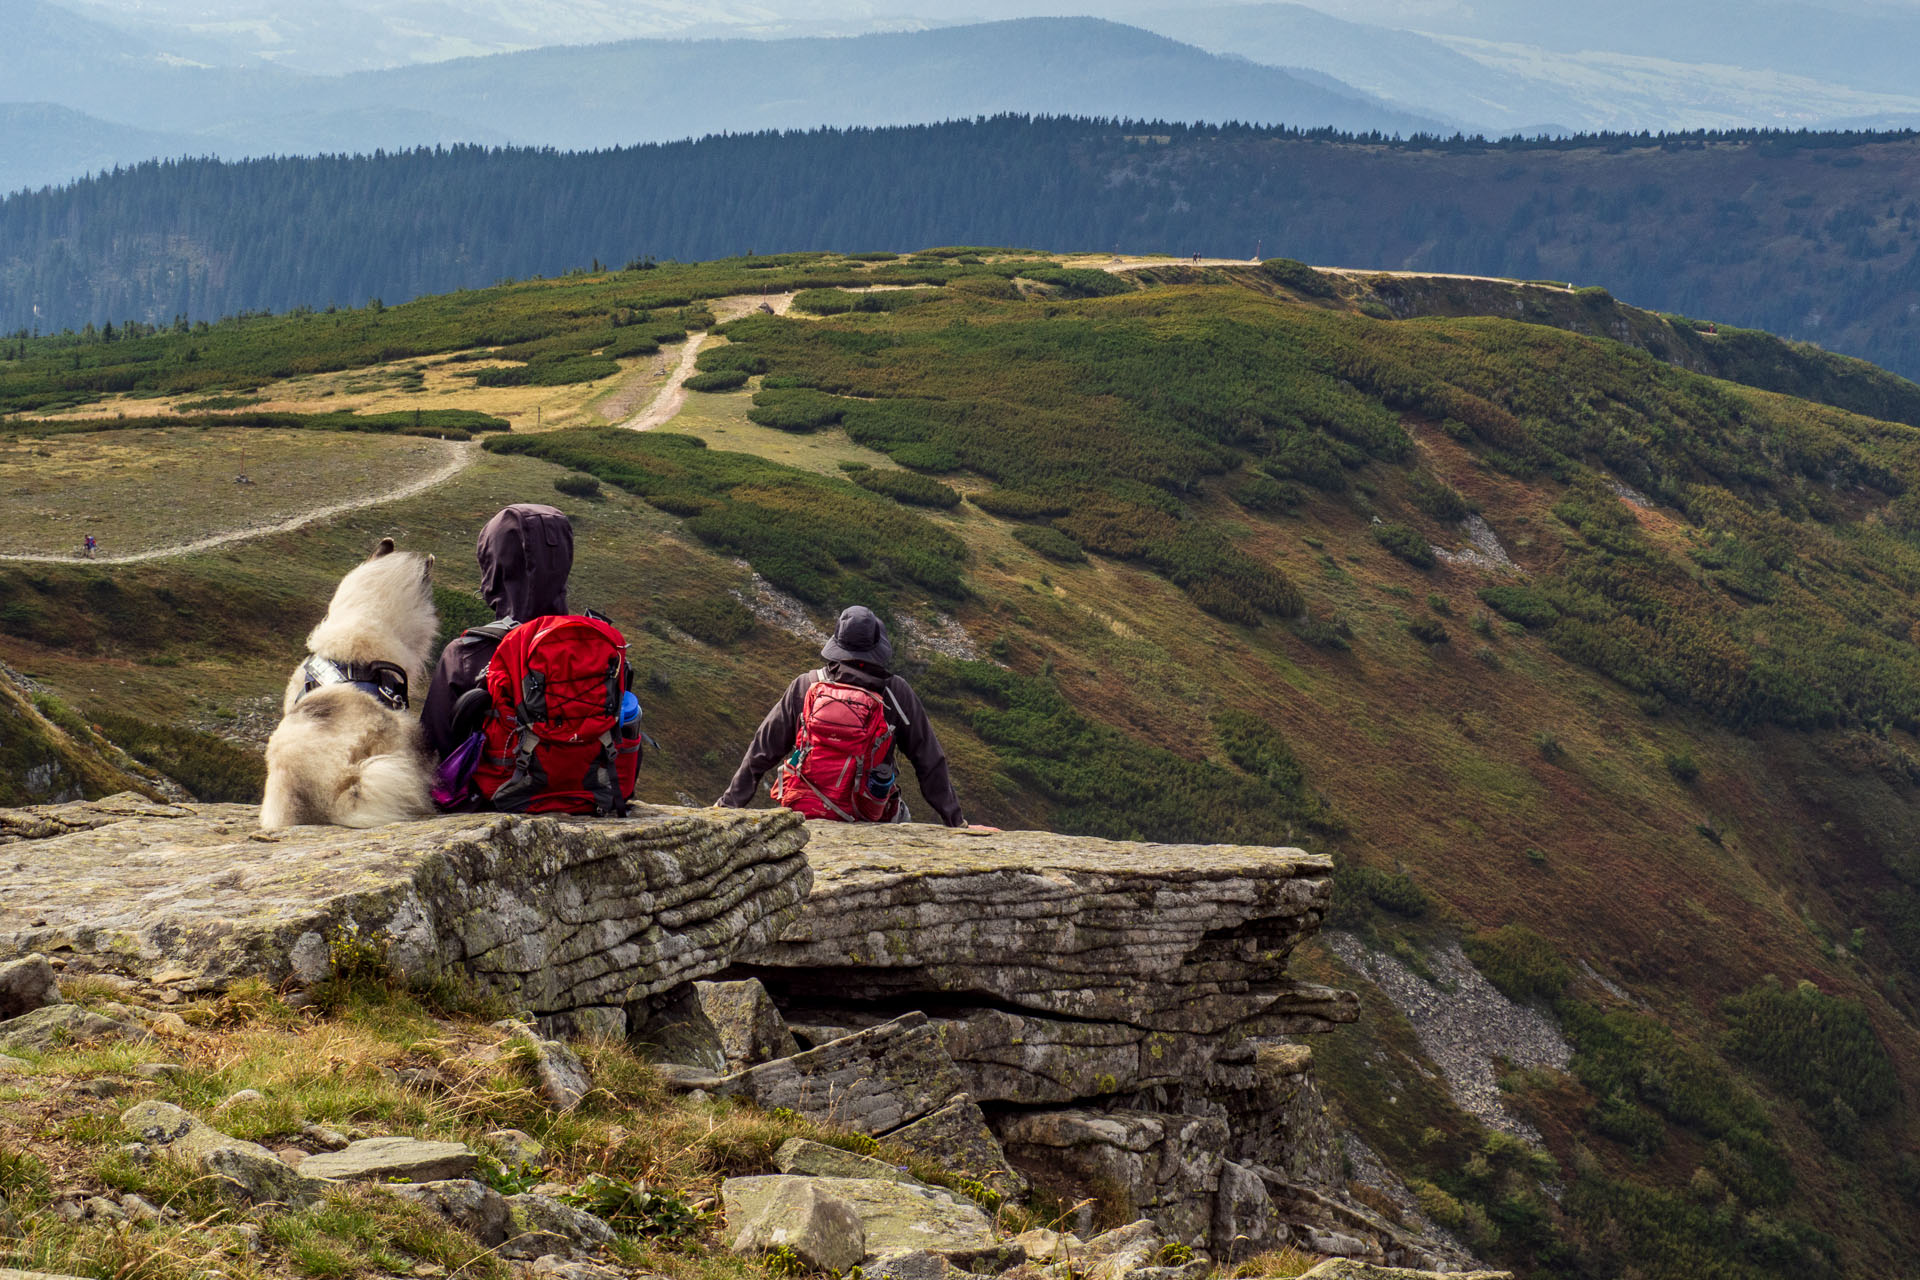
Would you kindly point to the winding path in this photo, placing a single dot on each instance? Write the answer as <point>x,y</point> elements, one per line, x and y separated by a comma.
<point>461,456</point>
<point>673,396</point>
<point>661,409</point>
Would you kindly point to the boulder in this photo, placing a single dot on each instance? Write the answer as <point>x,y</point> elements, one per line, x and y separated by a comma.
<point>817,1160</point>
<point>472,1206</point>
<point>1163,1166</point>
<point>872,1082</point>
<point>1117,1254</point>
<point>555,1267</point>
<point>516,1147</point>
<point>56,1026</point>
<point>594,1022</point>
<point>1027,1058</point>
<point>8,1273</point>
<point>27,984</point>
<point>956,1138</point>
<point>1167,937</point>
<point>390,1159</point>
<point>248,1167</point>
<point>1042,1245</point>
<point>1348,1269</point>
<point>1245,1221</point>
<point>896,1216</point>
<point>819,1228</point>
<point>541,1225</point>
<point>550,913</point>
<point>750,1027</point>
<point>10,1066</point>
<point>910,1264</point>
<point>676,1031</point>
<point>563,1077</point>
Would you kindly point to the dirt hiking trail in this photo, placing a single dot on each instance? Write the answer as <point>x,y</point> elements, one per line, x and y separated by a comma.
<point>459,458</point>
<point>673,395</point>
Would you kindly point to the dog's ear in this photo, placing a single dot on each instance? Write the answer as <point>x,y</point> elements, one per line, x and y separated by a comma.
<point>384,549</point>
<point>426,569</point>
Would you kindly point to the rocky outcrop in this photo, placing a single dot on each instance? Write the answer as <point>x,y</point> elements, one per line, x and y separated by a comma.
<point>1175,938</point>
<point>1115,1013</point>
<point>1115,1021</point>
<point>552,914</point>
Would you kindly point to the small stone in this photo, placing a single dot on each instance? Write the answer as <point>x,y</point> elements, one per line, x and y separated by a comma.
<point>517,1148</point>
<point>1349,1269</point>
<point>813,1035</point>
<point>819,1228</point>
<point>908,1264</point>
<point>13,1066</point>
<point>384,1159</point>
<point>895,1215</point>
<point>554,1267</point>
<point>321,1136</point>
<point>748,1023</point>
<point>542,1226</point>
<point>475,1208</point>
<point>169,1024</point>
<point>27,984</point>
<point>101,1209</point>
<point>1117,1254</point>
<point>563,1077</point>
<point>1339,1244</point>
<point>818,1160</point>
<point>139,1208</point>
<point>249,1167</point>
<point>1048,1246</point>
<point>59,1026</point>
<point>243,1095</point>
<point>138,1152</point>
<point>157,1070</point>
<point>102,1087</point>
<point>68,1210</point>
<point>9,1227</point>
<point>292,1157</point>
<point>248,1237</point>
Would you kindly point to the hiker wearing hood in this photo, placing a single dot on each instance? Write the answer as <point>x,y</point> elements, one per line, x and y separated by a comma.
<point>525,553</point>
<point>861,655</point>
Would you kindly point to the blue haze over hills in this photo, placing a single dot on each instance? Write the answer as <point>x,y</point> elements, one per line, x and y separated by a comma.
<point>85,86</point>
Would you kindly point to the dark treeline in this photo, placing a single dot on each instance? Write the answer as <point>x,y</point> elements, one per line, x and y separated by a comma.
<point>1809,235</point>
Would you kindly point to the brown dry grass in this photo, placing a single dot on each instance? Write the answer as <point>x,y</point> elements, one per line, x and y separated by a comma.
<point>137,489</point>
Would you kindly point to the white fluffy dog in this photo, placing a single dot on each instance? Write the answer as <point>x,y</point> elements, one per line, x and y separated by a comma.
<point>346,752</point>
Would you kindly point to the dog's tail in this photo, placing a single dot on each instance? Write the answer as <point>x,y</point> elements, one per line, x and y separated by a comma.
<point>383,789</point>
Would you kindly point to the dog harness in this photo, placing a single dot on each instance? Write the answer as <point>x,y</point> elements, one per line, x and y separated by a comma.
<point>381,680</point>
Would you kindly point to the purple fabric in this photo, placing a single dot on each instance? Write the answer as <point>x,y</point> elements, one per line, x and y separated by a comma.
<point>453,780</point>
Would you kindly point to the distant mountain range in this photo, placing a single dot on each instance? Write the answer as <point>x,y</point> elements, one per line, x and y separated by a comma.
<point>102,96</point>
<point>134,79</point>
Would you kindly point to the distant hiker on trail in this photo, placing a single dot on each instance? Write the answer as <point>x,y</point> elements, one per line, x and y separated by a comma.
<point>833,733</point>
<point>91,546</point>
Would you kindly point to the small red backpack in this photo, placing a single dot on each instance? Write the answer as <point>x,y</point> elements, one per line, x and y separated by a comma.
<point>553,741</point>
<point>837,769</point>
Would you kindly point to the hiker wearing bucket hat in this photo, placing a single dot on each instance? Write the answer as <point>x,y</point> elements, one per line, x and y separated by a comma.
<point>834,731</point>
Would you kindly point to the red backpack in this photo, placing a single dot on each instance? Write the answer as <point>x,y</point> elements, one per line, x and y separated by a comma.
<point>837,769</point>
<point>553,741</point>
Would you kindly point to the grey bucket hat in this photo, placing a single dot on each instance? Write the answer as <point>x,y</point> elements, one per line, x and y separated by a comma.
<point>859,636</point>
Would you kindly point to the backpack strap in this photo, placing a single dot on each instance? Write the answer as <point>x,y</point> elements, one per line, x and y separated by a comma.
<point>495,631</point>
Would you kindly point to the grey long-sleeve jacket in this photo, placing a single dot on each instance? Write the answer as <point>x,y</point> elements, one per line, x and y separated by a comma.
<point>912,733</point>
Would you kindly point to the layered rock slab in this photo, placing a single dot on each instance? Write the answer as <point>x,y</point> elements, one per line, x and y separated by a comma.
<point>554,914</point>
<point>1180,938</point>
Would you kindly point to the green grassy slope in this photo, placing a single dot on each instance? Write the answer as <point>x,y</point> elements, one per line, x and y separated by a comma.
<point>1210,564</point>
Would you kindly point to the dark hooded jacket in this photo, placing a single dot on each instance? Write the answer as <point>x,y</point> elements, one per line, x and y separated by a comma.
<point>525,553</point>
<point>912,727</point>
